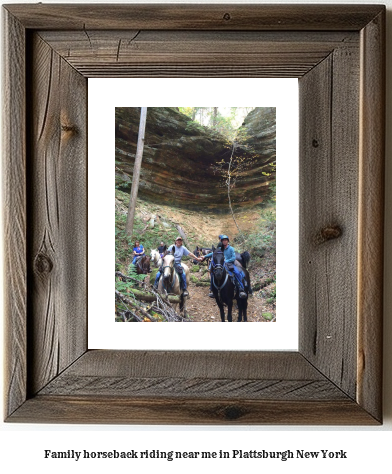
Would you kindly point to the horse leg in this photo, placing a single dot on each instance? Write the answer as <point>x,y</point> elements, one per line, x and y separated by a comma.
<point>245,309</point>
<point>229,311</point>
<point>221,309</point>
<point>183,306</point>
<point>239,314</point>
<point>242,310</point>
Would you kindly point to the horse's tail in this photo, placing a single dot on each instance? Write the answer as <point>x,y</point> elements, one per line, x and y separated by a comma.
<point>245,258</point>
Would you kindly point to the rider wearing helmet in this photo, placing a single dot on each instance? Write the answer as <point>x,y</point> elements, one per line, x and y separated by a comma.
<point>229,254</point>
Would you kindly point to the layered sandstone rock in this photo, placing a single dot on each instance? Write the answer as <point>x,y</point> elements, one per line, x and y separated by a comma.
<point>179,158</point>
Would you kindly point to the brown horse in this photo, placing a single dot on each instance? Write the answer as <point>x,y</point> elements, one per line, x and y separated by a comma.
<point>143,265</point>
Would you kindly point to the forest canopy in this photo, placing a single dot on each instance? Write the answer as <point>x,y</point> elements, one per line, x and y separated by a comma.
<point>224,120</point>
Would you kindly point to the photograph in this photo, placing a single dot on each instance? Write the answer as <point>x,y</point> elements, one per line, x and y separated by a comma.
<point>195,214</point>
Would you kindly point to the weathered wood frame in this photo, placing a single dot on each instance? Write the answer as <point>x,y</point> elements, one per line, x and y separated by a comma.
<point>337,52</point>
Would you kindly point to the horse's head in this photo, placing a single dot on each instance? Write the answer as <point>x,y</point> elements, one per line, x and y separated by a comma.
<point>154,255</point>
<point>218,264</point>
<point>167,264</point>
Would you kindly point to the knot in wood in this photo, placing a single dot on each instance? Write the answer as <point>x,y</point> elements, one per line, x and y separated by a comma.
<point>43,264</point>
<point>232,413</point>
<point>69,129</point>
<point>227,16</point>
<point>315,143</point>
<point>328,233</point>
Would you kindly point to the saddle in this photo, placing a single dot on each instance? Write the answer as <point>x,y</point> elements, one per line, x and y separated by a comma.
<point>178,269</point>
<point>229,268</point>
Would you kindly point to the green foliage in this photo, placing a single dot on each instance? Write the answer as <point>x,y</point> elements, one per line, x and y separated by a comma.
<point>263,238</point>
<point>224,122</point>
<point>123,182</point>
<point>150,238</point>
<point>268,316</point>
<point>124,287</point>
<point>272,192</point>
<point>132,272</point>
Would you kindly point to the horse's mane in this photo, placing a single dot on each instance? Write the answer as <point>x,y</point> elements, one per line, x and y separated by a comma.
<point>217,251</point>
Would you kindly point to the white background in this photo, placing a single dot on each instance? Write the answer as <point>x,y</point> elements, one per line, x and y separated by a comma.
<point>103,332</point>
<point>368,449</point>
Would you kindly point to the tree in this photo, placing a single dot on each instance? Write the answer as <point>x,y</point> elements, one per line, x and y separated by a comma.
<point>136,171</point>
<point>214,117</point>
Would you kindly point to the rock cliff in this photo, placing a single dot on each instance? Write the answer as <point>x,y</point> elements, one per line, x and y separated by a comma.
<point>179,157</point>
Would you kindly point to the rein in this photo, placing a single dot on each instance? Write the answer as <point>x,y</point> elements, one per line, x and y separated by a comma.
<point>173,274</point>
<point>218,265</point>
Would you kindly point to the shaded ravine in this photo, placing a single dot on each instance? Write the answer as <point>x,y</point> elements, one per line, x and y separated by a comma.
<point>179,156</point>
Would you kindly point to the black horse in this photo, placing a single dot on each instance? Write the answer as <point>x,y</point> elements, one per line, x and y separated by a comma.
<point>242,303</point>
<point>198,253</point>
<point>225,290</point>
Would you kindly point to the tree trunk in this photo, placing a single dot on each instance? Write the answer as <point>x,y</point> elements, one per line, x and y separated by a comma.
<point>214,117</point>
<point>183,235</point>
<point>136,171</point>
<point>194,112</point>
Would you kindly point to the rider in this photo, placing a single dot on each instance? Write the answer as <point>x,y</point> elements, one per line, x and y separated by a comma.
<point>229,255</point>
<point>161,249</point>
<point>178,250</point>
<point>138,251</point>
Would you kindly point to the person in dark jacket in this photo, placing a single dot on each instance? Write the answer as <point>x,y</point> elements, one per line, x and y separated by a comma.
<point>162,249</point>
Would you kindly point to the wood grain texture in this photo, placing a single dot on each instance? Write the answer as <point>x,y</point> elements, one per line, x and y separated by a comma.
<point>57,215</point>
<point>194,17</point>
<point>335,378</point>
<point>14,208</point>
<point>178,53</point>
<point>329,203</point>
<point>206,374</point>
<point>210,364</point>
<point>371,216</point>
<point>102,409</point>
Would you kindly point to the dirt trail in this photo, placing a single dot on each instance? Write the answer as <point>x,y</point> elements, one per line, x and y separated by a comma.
<point>202,308</point>
<point>203,228</point>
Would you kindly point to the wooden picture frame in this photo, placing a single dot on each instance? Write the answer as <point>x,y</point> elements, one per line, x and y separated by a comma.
<point>337,52</point>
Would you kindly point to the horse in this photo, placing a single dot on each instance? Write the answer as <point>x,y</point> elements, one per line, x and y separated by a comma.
<point>224,288</point>
<point>198,253</point>
<point>242,303</point>
<point>243,258</point>
<point>169,281</point>
<point>205,251</point>
<point>143,265</point>
<point>156,258</point>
